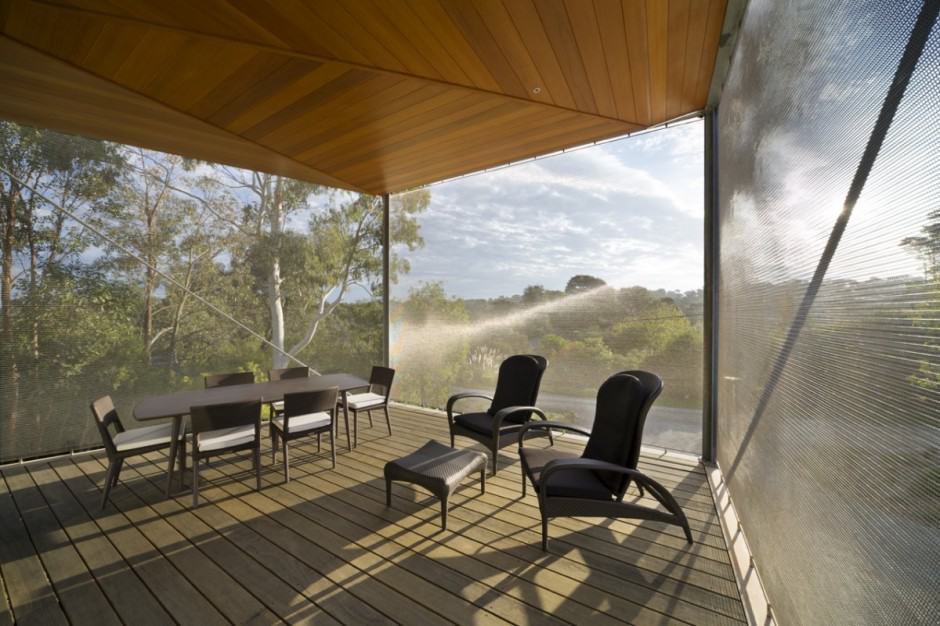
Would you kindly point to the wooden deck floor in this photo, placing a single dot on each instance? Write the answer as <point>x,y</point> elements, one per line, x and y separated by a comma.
<point>325,549</point>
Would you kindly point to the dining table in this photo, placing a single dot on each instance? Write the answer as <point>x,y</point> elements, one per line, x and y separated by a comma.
<point>178,405</point>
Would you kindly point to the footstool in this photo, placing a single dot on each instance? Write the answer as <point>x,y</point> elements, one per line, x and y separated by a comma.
<point>437,468</point>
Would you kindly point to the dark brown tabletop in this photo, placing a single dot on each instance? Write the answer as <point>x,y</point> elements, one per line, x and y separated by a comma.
<point>178,403</point>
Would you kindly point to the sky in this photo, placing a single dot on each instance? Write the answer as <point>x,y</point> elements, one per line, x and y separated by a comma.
<point>628,211</point>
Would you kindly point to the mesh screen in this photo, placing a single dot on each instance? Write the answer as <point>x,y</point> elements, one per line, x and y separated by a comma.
<point>163,271</point>
<point>592,259</point>
<point>830,440</point>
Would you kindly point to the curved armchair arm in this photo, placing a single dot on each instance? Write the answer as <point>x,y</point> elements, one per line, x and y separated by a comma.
<point>551,425</point>
<point>509,410</point>
<point>659,492</point>
<point>451,401</point>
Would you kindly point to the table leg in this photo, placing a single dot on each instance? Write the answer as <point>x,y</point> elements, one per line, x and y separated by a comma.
<point>174,445</point>
<point>346,417</point>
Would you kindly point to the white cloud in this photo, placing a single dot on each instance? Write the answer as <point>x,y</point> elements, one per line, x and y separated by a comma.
<point>630,216</point>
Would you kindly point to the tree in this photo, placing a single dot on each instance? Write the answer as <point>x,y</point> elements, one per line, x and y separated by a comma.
<point>581,283</point>
<point>303,276</point>
<point>435,350</point>
<point>147,217</point>
<point>72,171</point>
<point>533,294</point>
<point>927,247</point>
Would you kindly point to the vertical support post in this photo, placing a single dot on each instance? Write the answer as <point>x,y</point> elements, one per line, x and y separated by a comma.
<point>710,369</point>
<point>386,255</point>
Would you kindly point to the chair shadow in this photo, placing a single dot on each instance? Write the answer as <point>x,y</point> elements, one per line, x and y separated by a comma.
<point>331,529</point>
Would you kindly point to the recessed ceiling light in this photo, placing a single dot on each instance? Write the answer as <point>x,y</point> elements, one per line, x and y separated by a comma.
<point>536,90</point>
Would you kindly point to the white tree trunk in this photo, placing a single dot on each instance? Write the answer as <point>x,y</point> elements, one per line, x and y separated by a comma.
<point>276,306</point>
<point>275,296</point>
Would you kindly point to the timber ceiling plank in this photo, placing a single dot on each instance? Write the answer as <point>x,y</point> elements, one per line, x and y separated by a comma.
<point>38,90</point>
<point>638,51</point>
<point>614,39</point>
<point>505,35</point>
<point>554,19</point>
<point>584,25</point>
<point>678,33</point>
<point>371,93</point>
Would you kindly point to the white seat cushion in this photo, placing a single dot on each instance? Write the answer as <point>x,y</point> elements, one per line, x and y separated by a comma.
<point>278,406</point>
<point>225,437</point>
<point>143,437</point>
<point>364,400</point>
<point>300,423</point>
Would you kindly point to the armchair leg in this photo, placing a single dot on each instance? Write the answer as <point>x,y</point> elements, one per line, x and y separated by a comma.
<point>348,436</point>
<point>286,464</point>
<point>444,513</point>
<point>369,413</point>
<point>388,421</point>
<point>333,448</point>
<point>117,472</point>
<point>273,446</point>
<point>495,450</point>
<point>544,534</point>
<point>257,459</point>
<point>195,479</point>
<point>355,428</point>
<point>182,460</point>
<point>113,468</point>
<point>522,470</point>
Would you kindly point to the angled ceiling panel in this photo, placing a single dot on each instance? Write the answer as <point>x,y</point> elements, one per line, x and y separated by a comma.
<point>377,95</point>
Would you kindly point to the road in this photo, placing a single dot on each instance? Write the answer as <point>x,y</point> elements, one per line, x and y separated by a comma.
<point>666,426</point>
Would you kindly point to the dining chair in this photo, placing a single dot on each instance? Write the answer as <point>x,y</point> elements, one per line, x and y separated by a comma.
<point>126,443</point>
<point>222,428</point>
<point>285,373</point>
<point>223,380</point>
<point>305,413</point>
<point>379,391</point>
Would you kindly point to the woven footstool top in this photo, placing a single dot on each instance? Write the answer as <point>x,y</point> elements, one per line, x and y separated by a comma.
<point>435,464</point>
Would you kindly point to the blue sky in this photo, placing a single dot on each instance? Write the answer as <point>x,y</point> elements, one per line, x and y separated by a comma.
<point>628,211</point>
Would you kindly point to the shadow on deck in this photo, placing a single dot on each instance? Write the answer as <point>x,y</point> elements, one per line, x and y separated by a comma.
<point>324,548</point>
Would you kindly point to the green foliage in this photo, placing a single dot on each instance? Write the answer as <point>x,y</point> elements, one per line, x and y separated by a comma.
<point>582,283</point>
<point>925,318</point>
<point>431,350</point>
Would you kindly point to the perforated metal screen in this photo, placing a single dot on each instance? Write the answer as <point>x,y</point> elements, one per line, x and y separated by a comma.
<point>160,271</point>
<point>829,345</point>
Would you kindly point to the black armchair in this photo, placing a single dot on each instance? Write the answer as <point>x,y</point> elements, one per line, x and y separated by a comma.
<point>511,406</point>
<point>593,484</point>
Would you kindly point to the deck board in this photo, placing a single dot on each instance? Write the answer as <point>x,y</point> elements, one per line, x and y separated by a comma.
<point>325,549</point>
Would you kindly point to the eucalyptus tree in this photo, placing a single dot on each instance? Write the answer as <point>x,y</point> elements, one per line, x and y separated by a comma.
<point>308,247</point>
<point>147,217</point>
<point>927,248</point>
<point>36,238</point>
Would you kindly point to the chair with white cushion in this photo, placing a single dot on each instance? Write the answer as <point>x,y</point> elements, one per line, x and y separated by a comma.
<point>224,380</point>
<point>285,373</point>
<point>126,443</point>
<point>305,413</point>
<point>220,428</point>
<point>376,397</point>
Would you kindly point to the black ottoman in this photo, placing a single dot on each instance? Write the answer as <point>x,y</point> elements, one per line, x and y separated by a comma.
<point>437,468</point>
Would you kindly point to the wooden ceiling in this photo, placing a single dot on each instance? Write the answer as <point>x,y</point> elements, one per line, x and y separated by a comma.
<point>371,95</point>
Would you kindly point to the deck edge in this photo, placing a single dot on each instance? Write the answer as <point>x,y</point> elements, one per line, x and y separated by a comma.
<point>757,606</point>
